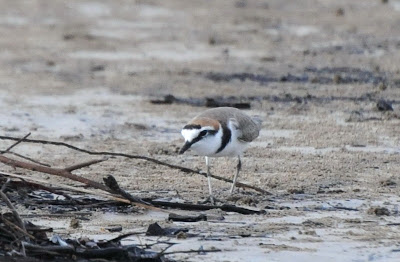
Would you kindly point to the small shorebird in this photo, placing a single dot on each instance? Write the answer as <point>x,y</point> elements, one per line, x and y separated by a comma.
<point>222,131</point>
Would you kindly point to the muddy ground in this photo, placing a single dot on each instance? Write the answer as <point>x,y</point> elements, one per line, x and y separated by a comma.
<point>84,72</point>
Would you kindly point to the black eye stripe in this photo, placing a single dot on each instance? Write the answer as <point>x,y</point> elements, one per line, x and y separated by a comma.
<point>203,133</point>
<point>206,132</point>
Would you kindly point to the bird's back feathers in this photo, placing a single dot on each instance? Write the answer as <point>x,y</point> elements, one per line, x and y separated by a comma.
<point>248,127</point>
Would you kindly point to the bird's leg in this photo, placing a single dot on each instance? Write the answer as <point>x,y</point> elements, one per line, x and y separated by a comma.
<point>238,168</point>
<point>209,180</point>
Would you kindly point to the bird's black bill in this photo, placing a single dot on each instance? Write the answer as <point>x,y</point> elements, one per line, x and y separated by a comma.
<point>185,147</point>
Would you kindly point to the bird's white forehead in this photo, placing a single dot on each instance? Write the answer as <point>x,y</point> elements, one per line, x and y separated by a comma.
<point>192,133</point>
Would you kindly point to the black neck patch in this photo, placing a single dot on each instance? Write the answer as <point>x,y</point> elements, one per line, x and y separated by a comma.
<point>226,137</point>
<point>192,126</point>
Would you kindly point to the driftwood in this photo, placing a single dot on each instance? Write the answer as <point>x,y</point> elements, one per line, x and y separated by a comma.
<point>15,144</point>
<point>189,206</point>
<point>115,188</point>
<point>17,218</point>
<point>157,205</point>
<point>113,184</point>
<point>158,162</point>
<point>82,190</point>
<point>63,172</point>
<point>207,101</point>
<point>180,218</point>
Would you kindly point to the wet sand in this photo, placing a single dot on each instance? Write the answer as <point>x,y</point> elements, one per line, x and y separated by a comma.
<point>85,72</point>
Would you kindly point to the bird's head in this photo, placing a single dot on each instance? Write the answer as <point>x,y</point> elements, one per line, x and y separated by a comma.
<point>202,135</point>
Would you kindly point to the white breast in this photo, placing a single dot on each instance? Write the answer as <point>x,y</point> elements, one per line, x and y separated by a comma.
<point>235,147</point>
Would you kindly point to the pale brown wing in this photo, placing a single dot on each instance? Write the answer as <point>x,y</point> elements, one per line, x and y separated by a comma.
<point>249,128</point>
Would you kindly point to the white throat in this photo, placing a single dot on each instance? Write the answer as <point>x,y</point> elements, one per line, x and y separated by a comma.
<point>209,145</point>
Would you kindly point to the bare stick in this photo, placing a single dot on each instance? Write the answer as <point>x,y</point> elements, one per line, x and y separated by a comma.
<point>55,171</point>
<point>4,186</point>
<point>105,153</point>
<point>42,187</point>
<point>85,164</point>
<point>87,191</point>
<point>67,174</point>
<point>12,208</point>
<point>193,251</point>
<point>14,226</point>
<point>112,183</point>
<point>28,158</point>
<point>15,144</point>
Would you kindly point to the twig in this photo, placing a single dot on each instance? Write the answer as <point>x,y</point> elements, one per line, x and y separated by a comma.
<point>49,249</point>
<point>29,159</point>
<point>56,171</point>
<point>105,153</point>
<point>75,214</point>
<point>112,183</point>
<point>12,208</point>
<point>188,206</point>
<point>157,204</point>
<point>4,186</point>
<point>193,251</point>
<point>343,208</point>
<point>87,191</point>
<point>43,187</point>
<point>21,230</point>
<point>85,164</point>
<point>82,190</point>
<point>15,144</point>
<point>120,237</point>
<point>185,218</point>
<point>9,233</point>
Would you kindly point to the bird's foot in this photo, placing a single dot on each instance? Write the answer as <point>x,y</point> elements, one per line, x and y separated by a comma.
<point>210,200</point>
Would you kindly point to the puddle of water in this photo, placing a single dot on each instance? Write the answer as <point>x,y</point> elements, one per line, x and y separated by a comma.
<point>166,54</point>
<point>303,30</point>
<point>245,54</point>
<point>99,113</point>
<point>107,55</point>
<point>115,33</point>
<point>153,11</point>
<point>396,5</point>
<point>13,20</point>
<point>93,9</point>
<point>126,24</point>
<point>297,30</point>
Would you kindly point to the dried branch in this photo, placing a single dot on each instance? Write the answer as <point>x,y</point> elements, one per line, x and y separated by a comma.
<point>105,153</point>
<point>17,228</point>
<point>85,164</point>
<point>21,225</point>
<point>112,183</point>
<point>56,171</point>
<point>43,187</point>
<point>28,158</point>
<point>15,144</point>
<point>189,206</point>
<point>86,191</point>
<point>193,251</point>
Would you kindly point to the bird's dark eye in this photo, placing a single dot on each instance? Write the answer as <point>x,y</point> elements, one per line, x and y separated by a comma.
<point>203,133</point>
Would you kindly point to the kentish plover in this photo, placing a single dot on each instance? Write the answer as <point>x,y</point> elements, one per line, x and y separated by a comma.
<point>222,131</point>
